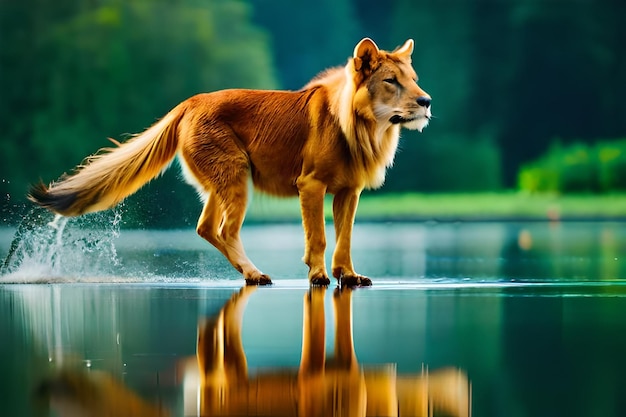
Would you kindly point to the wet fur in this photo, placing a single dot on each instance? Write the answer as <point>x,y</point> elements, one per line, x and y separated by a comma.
<point>337,135</point>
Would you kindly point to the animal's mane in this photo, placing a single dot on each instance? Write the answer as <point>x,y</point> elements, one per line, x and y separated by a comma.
<point>328,75</point>
<point>371,145</point>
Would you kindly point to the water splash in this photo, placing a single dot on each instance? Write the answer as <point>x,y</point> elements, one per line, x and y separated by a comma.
<point>48,247</point>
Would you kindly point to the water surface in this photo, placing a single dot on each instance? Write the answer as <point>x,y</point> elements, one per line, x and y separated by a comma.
<point>492,319</point>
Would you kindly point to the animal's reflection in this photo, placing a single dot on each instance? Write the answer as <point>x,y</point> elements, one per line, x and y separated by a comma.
<point>218,384</point>
<point>336,386</point>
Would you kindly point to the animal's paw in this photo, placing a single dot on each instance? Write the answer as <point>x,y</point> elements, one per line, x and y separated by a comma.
<point>319,279</point>
<point>356,280</point>
<point>260,279</point>
<point>350,278</point>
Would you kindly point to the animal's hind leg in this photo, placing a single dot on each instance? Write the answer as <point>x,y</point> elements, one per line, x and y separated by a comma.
<point>220,224</point>
<point>209,223</point>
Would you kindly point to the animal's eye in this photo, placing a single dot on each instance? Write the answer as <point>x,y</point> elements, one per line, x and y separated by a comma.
<point>390,81</point>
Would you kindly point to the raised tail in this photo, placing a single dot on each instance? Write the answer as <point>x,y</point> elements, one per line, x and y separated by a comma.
<point>106,178</point>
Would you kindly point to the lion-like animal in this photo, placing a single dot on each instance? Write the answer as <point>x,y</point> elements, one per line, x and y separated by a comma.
<point>337,135</point>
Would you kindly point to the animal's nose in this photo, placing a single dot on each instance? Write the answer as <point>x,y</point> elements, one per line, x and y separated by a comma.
<point>423,101</point>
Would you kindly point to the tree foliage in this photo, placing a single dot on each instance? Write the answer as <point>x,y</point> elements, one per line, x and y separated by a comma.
<point>577,167</point>
<point>110,68</point>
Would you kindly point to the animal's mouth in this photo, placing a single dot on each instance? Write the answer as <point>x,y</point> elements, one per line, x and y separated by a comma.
<point>397,119</point>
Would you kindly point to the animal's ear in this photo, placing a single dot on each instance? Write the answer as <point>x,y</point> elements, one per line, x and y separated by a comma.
<point>365,55</point>
<point>405,50</point>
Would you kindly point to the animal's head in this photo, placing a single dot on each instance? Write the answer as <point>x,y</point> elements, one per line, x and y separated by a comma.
<point>386,86</point>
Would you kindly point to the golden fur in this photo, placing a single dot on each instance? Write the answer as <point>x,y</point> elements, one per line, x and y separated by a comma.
<point>337,135</point>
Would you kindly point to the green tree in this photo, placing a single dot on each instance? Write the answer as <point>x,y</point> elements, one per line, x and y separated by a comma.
<point>102,69</point>
<point>458,150</point>
<point>567,76</point>
<point>308,37</point>
<point>516,74</point>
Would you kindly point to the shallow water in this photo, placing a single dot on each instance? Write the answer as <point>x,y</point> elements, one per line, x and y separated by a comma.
<point>487,319</point>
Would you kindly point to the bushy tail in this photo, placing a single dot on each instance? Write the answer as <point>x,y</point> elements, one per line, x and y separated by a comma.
<point>106,178</point>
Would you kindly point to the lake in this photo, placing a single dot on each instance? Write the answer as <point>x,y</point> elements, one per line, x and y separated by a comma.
<point>474,318</point>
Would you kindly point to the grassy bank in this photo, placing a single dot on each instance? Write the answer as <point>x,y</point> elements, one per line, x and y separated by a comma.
<point>475,206</point>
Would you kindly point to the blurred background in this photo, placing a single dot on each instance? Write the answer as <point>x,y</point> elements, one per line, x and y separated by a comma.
<point>528,94</point>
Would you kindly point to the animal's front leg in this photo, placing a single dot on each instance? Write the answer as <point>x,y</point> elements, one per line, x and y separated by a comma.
<point>344,211</point>
<point>312,193</point>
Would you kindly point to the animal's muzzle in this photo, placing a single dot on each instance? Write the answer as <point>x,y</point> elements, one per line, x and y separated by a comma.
<point>423,101</point>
